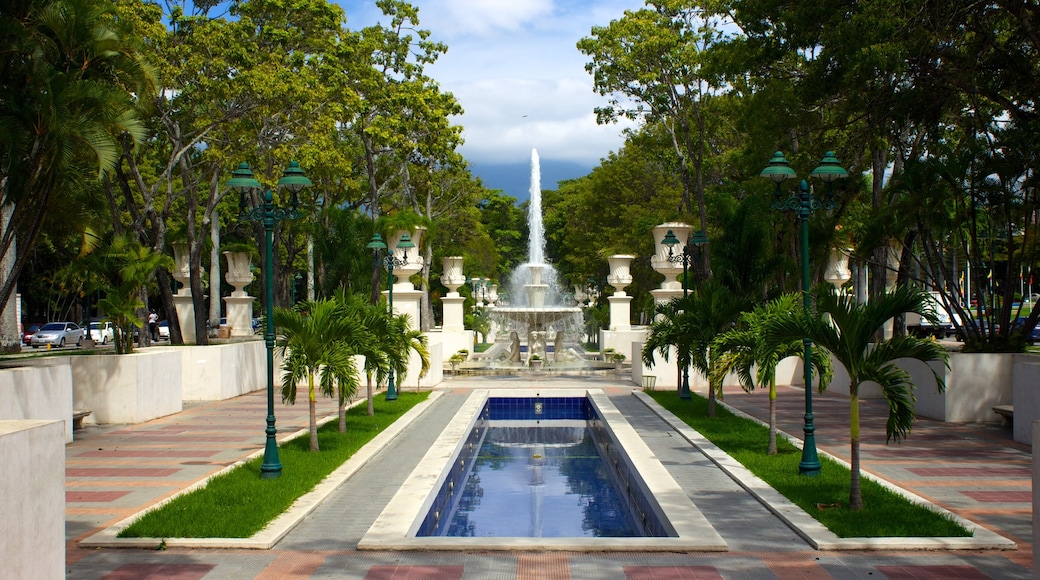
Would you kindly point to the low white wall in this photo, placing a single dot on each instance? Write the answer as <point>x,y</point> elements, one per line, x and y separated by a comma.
<point>435,375</point>
<point>1026,397</point>
<point>666,371</point>
<point>453,342</point>
<point>975,383</point>
<point>32,498</point>
<point>129,388</point>
<point>39,392</point>
<point>224,371</point>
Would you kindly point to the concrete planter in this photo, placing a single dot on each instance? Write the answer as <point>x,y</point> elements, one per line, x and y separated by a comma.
<point>975,383</point>
<point>32,499</point>
<point>42,391</point>
<point>129,388</point>
<point>218,372</point>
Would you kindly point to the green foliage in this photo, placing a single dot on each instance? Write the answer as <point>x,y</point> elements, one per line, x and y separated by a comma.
<point>240,503</point>
<point>849,333</point>
<point>887,514</point>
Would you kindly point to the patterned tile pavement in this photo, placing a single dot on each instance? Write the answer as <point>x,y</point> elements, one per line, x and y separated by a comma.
<point>976,471</point>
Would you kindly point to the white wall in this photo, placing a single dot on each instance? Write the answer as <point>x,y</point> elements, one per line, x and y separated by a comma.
<point>1026,396</point>
<point>128,388</point>
<point>975,382</point>
<point>38,392</point>
<point>224,371</point>
<point>32,499</point>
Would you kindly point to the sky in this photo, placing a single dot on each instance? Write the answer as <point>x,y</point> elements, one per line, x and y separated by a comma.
<point>514,67</point>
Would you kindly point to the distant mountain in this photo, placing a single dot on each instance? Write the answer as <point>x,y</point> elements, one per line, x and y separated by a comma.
<point>515,178</point>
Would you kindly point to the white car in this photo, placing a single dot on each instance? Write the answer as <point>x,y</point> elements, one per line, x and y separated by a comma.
<point>164,330</point>
<point>102,332</point>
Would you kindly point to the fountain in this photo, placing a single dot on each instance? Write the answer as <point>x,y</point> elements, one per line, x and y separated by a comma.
<point>536,314</point>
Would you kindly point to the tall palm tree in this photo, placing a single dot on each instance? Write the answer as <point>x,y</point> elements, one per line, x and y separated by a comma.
<point>850,337</point>
<point>744,350</point>
<point>375,319</point>
<point>318,340</point>
<point>691,324</point>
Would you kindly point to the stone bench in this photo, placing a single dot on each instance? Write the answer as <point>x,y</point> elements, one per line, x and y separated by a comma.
<point>1006,412</point>
<point>77,417</point>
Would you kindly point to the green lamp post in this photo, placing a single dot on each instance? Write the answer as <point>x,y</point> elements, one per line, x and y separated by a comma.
<point>686,257</point>
<point>391,262</point>
<point>269,214</point>
<point>803,204</point>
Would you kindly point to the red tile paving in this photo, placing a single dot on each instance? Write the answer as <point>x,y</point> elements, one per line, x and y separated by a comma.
<point>93,496</point>
<point>414,573</point>
<point>160,572</point>
<point>1000,496</point>
<point>932,573</point>
<point>970,471</point>
<point>149,453</point>
<point>120,472</point>
<point>671,573</point>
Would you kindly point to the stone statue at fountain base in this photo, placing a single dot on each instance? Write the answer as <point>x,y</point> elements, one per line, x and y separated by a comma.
<point>536,344</point>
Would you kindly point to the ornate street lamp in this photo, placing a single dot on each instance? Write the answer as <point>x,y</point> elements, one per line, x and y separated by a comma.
<point>686,257</point>
<point>269,214</point>
<point>803,204</point>
<point>390,262</point>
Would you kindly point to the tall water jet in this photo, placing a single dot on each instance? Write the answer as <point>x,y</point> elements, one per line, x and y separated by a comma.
<point>536,313</point>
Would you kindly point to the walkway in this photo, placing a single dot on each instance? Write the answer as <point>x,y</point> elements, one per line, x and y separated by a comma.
<point>114,472</point>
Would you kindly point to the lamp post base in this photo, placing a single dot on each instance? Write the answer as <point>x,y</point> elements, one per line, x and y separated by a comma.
<point>810,464</point>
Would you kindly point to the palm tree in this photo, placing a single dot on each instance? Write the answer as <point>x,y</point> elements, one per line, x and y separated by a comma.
<point>122,269</point>
<point>849,337</point>
<point>375,319</point>
<point>744,350</point>
<point>317,341</point>
<point>691,324</point>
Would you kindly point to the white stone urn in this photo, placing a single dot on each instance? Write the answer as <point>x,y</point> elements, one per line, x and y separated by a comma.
<point>580,296</point>
<point>413,256</point>
<point>670,269</point>
<point>838,272</point>
<point>492,295</point>
<point>181,273</point>
<point>239,273</point>
<point>620,274</point>
<point>452,277</point>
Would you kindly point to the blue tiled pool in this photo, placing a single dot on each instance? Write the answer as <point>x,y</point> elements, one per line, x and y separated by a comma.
<point>534,467</point>
<point>526,445</point>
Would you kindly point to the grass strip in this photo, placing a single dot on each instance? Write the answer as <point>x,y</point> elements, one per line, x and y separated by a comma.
<point>239,503</point>
<point>825,497</point>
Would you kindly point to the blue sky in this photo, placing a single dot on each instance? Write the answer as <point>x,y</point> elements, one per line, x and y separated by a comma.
<point>513,66</point>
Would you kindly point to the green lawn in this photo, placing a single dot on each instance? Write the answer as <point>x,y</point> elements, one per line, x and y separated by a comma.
<point>240,503</point>
<point>885,514</point>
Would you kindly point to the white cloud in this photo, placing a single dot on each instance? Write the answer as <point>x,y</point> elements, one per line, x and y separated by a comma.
<point>514,68</point>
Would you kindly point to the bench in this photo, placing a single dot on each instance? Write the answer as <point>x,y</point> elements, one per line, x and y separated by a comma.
<point>1007,414</point>
<point>77,417</point>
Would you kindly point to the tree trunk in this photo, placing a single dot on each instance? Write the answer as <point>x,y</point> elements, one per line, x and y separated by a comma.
<point>772,420</point>
<point>371,409</point>
<point>711,399</point>
<point>312,404</point>
<point>855,498</point>
<point>342,411</point>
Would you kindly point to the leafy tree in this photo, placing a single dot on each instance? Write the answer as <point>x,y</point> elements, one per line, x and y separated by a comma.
<point>691,324</point>
<point>650,63</point>
<point>744,350</point>
<point>849,335</point>
<point>71,80</point>
<point>318,340</point>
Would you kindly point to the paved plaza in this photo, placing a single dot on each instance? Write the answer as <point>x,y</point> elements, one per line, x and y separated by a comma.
<point>113,472</point>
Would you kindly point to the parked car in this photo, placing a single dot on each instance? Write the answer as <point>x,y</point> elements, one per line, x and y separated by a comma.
<point>1033,336</point>
<point>102,332</point>
<point>58,334</point>
<point>27,334</point>
<point>164,330</point>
